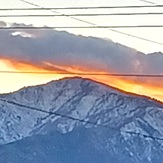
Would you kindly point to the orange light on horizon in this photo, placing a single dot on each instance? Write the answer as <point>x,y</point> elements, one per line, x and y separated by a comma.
<point>12,82</point>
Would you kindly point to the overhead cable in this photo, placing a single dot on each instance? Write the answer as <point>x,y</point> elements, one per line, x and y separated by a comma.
<point>79,120</point>
<point>85,74</point>
<point>90,23</point>
<point>150,2</point>
<point>94,14</point>
<point>76,27</point>
<point>81,8</point>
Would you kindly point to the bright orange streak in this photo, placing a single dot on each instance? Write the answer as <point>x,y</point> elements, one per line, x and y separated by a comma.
<point>12,82</point>
<point>19,80</point>
<point>142,87</point>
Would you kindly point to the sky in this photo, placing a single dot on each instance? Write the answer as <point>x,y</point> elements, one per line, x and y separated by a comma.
<point>148,33</point>
<point>81,50</point>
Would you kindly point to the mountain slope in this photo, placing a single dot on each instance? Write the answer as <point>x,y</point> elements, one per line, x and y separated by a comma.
<point>64,140</point>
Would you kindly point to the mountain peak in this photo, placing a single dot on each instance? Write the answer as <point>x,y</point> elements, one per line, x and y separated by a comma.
<point>80,83</point>
<point>75,101</point>
<point>82,100</point>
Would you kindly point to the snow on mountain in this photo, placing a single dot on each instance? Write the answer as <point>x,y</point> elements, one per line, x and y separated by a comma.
<point>87,100</point>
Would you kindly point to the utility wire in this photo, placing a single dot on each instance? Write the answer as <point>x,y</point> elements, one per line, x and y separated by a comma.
<point>85,74</point>
<point>47,112</point>
<point>53,11</point>
<point>137,37</point>
<point>94,14</point>
<point>76,27</point>
<point>30,3</point>
<point>81,8</point>
<point>77,119</point>
<point>90,23</point>
<point>150,2</point>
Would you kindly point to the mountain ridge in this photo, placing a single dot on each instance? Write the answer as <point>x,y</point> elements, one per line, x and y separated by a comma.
<point>122,115</point>
<point>89,79</point>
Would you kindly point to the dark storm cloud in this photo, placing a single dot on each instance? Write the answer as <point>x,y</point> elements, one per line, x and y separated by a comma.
<point>63,48</point>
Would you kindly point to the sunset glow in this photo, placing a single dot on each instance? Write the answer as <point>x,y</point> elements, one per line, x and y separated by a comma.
<point>12,81</point>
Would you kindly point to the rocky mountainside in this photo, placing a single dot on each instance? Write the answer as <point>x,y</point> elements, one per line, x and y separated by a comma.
<point>28,135</point>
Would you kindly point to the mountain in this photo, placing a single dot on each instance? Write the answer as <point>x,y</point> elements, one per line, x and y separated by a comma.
<point>124,127</point>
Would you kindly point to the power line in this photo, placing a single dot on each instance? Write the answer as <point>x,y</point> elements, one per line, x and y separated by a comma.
<point>76,27</point>
<point>94,14</point>
<point>137,37</point>
<point>30,3</point>
<point>47,112</point>
<point>85,74</point>
<point>150,2</point>
<point>77,119</point>
<point>90,23</point>
<point>81,8</point>
<point>74,18</point>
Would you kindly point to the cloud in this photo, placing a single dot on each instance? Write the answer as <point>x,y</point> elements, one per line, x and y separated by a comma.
<point>3,24</point>
<point>64,49</point>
